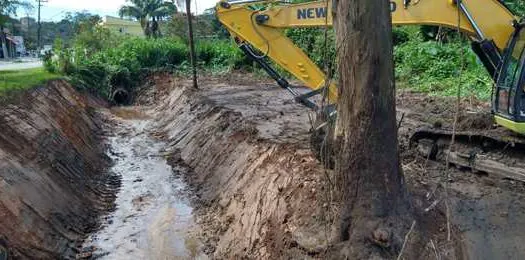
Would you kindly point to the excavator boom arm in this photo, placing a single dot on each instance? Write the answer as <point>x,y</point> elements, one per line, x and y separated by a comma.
<point>484,20</point>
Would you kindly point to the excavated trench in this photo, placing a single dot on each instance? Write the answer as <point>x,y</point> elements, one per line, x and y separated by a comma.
<point>80,181</point>
<point>222,172</point>
<point>153,218</point>
<point>54,181</point>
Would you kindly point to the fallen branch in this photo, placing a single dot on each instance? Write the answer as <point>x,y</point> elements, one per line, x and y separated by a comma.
<point>400,121</point>
<point>406,240</point>
<point>435,249</point>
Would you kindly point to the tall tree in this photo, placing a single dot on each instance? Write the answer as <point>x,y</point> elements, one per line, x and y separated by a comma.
<point>149,13</point>
<point>375,210</point>
<point>78,20</point>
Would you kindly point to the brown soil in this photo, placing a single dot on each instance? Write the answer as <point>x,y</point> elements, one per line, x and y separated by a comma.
<point>258,190</point>
<point>436,111</point>
<point>487,212</point>
<point>53,182</point>
<point>262,194</point>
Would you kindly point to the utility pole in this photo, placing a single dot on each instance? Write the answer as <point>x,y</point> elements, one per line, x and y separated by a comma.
<point>192,44</point>
<point>39,30</point>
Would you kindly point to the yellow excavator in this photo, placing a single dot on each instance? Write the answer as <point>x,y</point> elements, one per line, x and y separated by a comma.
<point>497,37</point>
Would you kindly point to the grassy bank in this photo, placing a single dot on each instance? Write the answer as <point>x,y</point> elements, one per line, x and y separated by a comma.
<point>13,80</point>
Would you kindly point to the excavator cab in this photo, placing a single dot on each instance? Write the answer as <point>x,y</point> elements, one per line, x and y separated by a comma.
<point>508,102</point>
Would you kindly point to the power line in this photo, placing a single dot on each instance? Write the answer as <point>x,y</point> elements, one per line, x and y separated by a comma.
<point>57,14</point>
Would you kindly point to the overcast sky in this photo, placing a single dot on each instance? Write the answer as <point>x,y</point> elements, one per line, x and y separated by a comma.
<point>54,10</point>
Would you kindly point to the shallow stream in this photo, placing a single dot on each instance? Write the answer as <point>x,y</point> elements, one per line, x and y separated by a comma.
<point>153,217</point>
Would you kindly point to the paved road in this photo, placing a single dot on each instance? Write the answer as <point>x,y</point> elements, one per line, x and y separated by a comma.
<point>20,65</point>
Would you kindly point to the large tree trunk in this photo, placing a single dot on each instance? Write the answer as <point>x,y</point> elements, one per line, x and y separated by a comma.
<point>375,211</point>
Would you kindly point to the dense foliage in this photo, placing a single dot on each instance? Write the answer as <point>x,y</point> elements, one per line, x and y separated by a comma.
<point>321,49</point>
<point>439,68</point>
<point>205,26</point>
<point>516,6</point>
<point>100,62</point>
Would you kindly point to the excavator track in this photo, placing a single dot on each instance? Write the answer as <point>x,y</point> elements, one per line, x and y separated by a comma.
<point>496,152</point>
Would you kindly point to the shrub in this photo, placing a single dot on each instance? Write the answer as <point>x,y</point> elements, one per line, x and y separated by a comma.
<point>105,63</point>
<point>434,67</point>
<point>221,53</point>
<point>400,35</point>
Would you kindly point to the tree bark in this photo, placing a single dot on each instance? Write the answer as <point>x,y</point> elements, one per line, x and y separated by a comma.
<point>375,213</point>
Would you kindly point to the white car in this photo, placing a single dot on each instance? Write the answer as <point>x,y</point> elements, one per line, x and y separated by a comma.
<point>46,49</point>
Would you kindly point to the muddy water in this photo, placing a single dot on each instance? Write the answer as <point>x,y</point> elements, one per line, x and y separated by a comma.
<point>153,218</point>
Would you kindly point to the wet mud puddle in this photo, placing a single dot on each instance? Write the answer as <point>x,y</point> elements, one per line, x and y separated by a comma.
<point>153,218</point>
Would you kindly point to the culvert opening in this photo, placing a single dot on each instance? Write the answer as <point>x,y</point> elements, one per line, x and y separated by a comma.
<point>121,97</point>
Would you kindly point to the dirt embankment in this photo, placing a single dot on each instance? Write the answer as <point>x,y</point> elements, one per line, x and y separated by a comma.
<point>261,194</point>
<point>256,181</point>
<point>53,183</point>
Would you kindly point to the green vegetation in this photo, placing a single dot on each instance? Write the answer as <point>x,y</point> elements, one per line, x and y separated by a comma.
<point>422,63</point>
<point>312,41</point>
<point>221,56</point>
<point>428,59</point>
<point>23,79</point>
<point>99,62</point>
<point>106,62</point>
<point>439,68</point>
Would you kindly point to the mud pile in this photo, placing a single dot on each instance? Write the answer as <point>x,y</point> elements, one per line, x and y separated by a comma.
<point>53,183</point>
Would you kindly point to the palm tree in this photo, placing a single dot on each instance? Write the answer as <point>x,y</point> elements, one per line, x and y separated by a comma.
<point>149,13</point>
